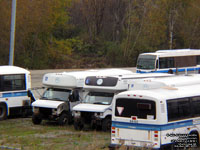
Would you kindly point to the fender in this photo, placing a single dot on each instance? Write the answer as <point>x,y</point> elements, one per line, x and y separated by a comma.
<point>4,103</point>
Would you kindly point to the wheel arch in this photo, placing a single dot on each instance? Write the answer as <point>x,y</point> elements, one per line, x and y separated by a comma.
<point>7,109</point>
<point>195,131</point>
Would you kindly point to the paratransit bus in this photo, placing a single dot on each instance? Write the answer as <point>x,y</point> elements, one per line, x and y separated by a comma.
<point>165,116</point>
<point>169,61</point>
<point>95,110</point>
<point>14,84</point>
<point>62,92</point>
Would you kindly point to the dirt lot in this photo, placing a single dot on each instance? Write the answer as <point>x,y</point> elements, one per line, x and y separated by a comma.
<point>21,133</point>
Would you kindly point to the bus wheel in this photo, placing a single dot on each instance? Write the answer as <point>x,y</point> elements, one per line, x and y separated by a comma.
<point>78,125</point>
<point>106,124</point>
<point>3,111</point>
<point>63,119</point>
<point>36,119</point>
<point>194,135</point>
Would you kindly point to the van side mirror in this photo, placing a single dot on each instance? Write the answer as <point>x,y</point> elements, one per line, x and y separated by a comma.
<point>71,99</point>
<point>30,94</point>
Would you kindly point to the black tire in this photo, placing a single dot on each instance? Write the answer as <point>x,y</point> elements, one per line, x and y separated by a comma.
<point>106,124</point>
<point>194,135</point>
<point>78,125</point>
<point>63,119</point>
<point>3,112</point>
<point>36,119</point>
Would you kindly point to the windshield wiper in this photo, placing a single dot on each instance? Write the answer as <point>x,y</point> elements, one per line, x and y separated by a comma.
<point>99,103</point>
<point>44,98</point>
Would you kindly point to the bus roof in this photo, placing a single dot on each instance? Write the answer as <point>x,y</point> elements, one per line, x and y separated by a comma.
<point>76,79</point>
<point>171,81</point>
<point>12,70</point>
<point>117,83</point>
<point>175,52</point>
<point>164,93</point>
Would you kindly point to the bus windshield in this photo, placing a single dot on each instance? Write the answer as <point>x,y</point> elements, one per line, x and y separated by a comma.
<point>146,62</point>
<point>143,109</point>
<point>56,94</point>
<point>101,98</point>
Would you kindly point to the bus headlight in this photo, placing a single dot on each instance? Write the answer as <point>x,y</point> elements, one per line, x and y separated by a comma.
<point>98,114</point>
<point>54,111</point>
<point>36,110</point>
<point>77,114</point>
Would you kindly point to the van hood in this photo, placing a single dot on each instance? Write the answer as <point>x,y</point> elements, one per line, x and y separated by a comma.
<point>46,103</point>
<point>91,107</point>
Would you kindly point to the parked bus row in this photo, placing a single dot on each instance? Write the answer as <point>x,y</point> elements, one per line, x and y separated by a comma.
<point>145,110</point>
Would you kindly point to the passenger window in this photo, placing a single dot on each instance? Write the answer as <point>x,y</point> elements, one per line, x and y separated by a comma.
<point>178,109</point>
<point>12,82</point>
<point>198,60</point>
<point>166,62</point>
<point>195,106</point>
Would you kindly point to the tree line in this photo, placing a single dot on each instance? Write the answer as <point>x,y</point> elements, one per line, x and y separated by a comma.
<point>96,33</point>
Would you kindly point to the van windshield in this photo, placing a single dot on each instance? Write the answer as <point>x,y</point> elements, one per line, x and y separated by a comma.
<point>101,98</point>
<point>143,109</point>
<point>56,94</point>
<point>146,62</point>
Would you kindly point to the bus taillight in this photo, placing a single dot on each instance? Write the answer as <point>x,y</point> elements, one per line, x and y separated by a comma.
<point>113,131</point>
<point>134,117</point>
<point>155,135</point>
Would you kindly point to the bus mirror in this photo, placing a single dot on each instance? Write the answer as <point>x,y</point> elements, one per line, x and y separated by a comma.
<point>71,99</point>
<point>29,93</point>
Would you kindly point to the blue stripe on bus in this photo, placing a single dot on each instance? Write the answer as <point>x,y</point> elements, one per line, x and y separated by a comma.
<point>174,70</point>
<point>14,94</point>
<point>152,127</point>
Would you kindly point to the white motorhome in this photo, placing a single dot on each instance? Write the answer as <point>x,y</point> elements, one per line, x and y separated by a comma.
<point>63,91</point>
<point>158,114</point>
<point>96,108</point>
<point>14,84</point>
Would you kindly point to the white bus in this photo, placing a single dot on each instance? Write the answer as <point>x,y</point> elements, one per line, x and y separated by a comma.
<point>14,84</point>
<point>96,108</point>
<point>63,91</point>
<point>169,61</point>
<point>163,117</point>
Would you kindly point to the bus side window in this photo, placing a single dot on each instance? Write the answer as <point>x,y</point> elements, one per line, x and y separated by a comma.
<point>178,109</point>
<point>195,106</point>
<point>198,60</point>
<point>167,62</point>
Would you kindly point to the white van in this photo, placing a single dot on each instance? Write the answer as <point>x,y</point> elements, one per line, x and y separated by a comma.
<point>63,91</point>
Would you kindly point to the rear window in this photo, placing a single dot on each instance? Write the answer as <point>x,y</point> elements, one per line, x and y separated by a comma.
<point>143,109</point>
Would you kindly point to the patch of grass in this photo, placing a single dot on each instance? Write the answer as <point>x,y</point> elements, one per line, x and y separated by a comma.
<point>21,133</point>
